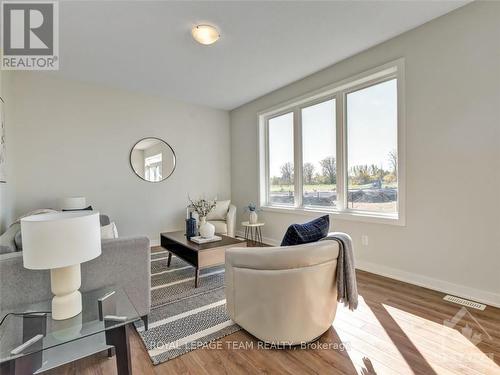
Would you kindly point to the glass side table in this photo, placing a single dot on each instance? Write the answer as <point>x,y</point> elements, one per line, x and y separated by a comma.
<point>34,343</point>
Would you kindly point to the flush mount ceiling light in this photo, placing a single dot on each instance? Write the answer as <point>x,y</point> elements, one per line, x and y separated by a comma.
<point>205,34</point>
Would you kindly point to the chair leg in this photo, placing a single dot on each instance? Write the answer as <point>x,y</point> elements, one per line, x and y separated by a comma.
<point>145,321</point>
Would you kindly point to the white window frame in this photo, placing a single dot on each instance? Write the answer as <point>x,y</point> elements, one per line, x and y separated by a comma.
<point>150,166</point>
<point>337,91</point>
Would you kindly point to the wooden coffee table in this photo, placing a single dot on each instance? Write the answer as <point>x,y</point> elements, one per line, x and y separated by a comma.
<point>199,256</point>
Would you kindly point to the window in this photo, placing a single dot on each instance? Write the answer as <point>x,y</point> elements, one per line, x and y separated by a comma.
<point>372,123</point>
<point>319,169</point>
<point>152,168</point>
<point>347,140</point>
<point>281,171</point>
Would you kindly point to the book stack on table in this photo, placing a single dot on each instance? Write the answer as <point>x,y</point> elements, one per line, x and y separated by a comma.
<point>200,240</point>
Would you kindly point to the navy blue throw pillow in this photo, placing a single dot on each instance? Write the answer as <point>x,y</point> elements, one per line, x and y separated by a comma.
<point>312,231</point>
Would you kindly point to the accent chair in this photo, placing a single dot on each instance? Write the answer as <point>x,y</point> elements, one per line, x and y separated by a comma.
<point>283,295</point>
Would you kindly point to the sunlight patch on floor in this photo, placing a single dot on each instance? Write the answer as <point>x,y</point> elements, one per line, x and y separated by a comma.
<point>369,347</point>
<point>448,346</point>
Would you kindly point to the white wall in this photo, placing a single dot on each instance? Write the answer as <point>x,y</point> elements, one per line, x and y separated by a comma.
<point>3,186</point>
<point>6,189</point>
<point>70,138</point>
<point>451,239</point>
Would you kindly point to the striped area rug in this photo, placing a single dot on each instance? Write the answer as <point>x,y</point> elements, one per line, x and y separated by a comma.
<point>184,318</point>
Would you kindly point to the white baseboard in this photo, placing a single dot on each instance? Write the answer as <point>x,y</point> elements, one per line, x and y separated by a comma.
<point>155,242</point>
<point>477,295</point>
<point>488,298</point>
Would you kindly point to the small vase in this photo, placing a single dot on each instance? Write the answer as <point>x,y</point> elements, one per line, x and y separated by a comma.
<point>207,230</point>
<point>254,218</point>
<point>190,226</point>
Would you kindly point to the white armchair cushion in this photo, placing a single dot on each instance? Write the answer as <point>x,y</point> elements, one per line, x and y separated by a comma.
<point>220,211</point>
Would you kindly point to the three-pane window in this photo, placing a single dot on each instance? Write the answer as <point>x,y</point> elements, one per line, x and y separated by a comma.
<point>338,152</point>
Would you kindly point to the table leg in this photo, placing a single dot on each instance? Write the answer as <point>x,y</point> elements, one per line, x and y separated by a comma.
<point>20,366</point>
<point>169,259</point>
<point>246,233</point>
<point>118,337</point>
<point>259,235</point>
<point>196,276</point>
<point>33,324</point>
<point>145,320</point>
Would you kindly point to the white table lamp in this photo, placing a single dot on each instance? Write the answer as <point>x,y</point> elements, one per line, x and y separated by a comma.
<point>73,203</point>
<point>60,242</point>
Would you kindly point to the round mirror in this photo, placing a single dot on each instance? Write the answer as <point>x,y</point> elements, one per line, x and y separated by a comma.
<point>152,159</point>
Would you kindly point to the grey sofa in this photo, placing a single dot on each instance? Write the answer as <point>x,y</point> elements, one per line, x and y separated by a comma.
<point>124,262</point>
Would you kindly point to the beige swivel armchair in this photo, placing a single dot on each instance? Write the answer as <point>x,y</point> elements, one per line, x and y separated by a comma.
<point>283,295</point>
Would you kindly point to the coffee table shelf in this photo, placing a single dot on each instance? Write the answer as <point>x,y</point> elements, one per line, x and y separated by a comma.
<point>198,255</point>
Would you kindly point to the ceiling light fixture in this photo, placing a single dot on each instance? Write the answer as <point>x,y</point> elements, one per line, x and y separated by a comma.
<point>205,34</point>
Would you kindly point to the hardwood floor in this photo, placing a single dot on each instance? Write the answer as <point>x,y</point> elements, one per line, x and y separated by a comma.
<point>397,329</point>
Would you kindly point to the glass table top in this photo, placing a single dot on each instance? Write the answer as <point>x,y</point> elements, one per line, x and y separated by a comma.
<point>17,330</point>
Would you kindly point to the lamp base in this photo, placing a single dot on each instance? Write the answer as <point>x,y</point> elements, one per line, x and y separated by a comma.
<point>67,306</point>
<point>67,301</point>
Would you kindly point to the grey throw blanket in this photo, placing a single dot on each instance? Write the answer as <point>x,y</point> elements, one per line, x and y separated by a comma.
<point>346,273</point>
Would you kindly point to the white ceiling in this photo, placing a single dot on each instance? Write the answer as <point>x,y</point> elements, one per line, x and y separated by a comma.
<point>144,144</point>
<point>147,46</point>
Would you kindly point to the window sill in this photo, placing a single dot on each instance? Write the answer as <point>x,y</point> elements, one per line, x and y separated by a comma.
<point>359,216</point>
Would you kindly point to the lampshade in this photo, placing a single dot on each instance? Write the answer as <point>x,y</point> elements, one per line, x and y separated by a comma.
<point>60,239</point>
<point>73,203</point>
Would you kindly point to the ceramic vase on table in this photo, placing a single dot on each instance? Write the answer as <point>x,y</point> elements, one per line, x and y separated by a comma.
<point>207,230</point>
<point>253,218</point>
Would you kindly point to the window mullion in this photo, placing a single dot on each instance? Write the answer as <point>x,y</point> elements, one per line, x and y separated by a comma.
<point>266,162</point>
<point>341,152</point>
<point>297,147</point>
